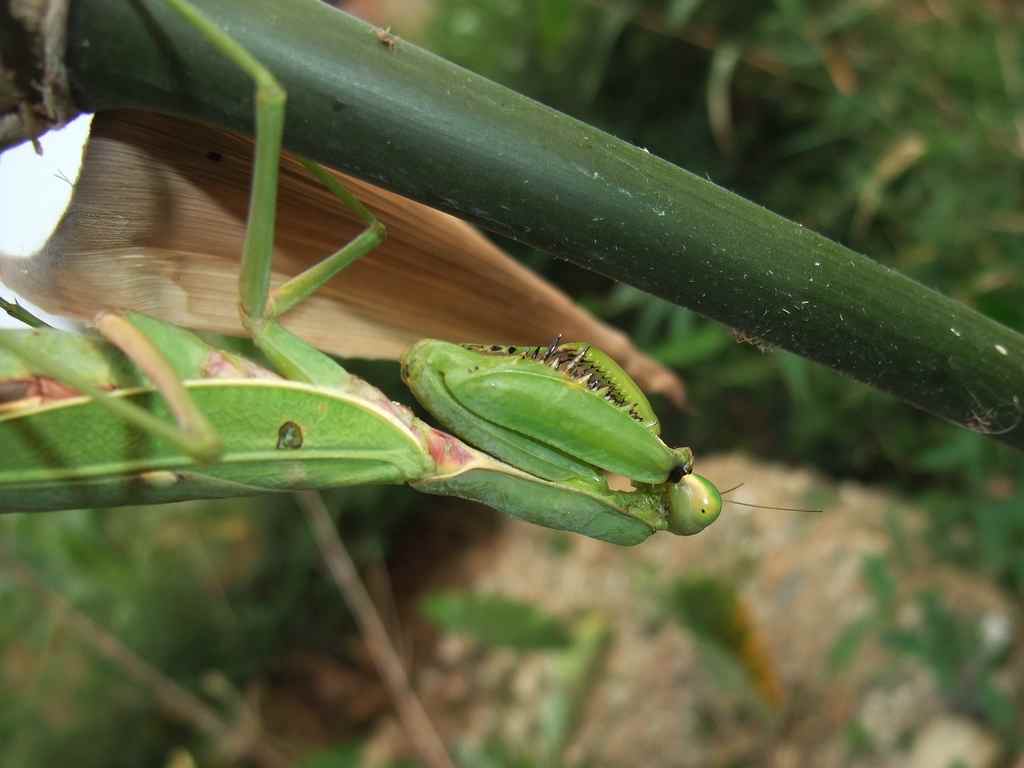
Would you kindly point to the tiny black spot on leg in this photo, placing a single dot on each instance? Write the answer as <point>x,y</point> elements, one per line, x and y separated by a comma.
<point>214,156</point>
<point>289,435</point>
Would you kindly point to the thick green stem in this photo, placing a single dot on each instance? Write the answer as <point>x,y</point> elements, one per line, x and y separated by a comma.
<point>401,117</point>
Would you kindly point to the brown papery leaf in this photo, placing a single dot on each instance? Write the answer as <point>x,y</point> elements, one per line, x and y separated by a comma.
<point>157,222</point>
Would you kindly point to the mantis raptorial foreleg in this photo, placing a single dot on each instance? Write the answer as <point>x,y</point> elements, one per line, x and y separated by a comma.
<point>260,307</point>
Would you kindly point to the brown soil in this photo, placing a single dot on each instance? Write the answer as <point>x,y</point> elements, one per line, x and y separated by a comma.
<point>660,698</point>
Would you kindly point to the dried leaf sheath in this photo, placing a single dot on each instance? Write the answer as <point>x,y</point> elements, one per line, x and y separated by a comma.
<point>158,219</point>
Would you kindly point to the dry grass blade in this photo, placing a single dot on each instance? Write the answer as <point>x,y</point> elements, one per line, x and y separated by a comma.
<point>158,219</point>
<point>415,720</point>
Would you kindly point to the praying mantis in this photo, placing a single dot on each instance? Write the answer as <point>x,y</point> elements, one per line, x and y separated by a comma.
<point>150,413</point>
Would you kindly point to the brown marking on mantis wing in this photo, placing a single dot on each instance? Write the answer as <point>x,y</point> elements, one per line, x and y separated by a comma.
<point>220,365</point>
<point>33,391</point>
<point>449,453</point>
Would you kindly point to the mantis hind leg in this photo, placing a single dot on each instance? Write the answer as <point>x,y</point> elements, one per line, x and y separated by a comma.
<point>260,307</point>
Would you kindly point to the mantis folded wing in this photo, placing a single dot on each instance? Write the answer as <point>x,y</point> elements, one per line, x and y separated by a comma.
<point>87,422</point>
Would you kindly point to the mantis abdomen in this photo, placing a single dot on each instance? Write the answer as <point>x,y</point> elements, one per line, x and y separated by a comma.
<point>277,436</point>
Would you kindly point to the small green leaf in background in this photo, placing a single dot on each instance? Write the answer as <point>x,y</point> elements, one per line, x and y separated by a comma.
<point>859,742</point>
<point>723,67</point>
<point>879,579</point>
<point>346,756</point>
<point>577,670</point>
<point>957,451</point>
<point>492,754</point>
<point>679,12</point>
<point>849,641</point>
<point>699,346</point>
<point>712,609</point>
<point>496,621</point>
<point>708,607</point>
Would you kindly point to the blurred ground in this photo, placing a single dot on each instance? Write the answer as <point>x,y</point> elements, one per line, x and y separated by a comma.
<point>772,639</point>
<point>659,700</point>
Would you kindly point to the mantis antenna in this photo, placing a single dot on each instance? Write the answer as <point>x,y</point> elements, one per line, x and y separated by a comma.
<point>764,506</point>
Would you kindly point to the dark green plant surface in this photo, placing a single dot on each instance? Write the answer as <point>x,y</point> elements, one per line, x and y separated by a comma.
<point>400,116</point>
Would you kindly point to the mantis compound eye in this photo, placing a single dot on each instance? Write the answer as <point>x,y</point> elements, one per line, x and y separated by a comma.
<point>694,503</point>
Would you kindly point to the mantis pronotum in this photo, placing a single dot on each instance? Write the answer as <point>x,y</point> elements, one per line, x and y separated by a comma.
<point>153,414</point>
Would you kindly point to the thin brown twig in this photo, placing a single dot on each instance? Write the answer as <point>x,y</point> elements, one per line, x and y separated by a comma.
<point>700,36</point>
<point>172,698</point>
<point>1008,50</point>
<point>414,717</point>
<point>378,584</point>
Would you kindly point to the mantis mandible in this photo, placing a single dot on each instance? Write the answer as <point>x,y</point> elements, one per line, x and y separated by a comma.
<point>150,413</point>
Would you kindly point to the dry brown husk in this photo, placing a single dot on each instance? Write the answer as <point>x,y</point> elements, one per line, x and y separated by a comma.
<point>157,222</point>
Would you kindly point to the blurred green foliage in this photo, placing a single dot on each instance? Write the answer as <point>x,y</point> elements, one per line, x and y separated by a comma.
<point>712,609</point>
<point>963,664</point>
<point>199,590</point>
<point>496,621</point>
<point>338,757</point>
<point>576,650</point>
<point>963,658</point>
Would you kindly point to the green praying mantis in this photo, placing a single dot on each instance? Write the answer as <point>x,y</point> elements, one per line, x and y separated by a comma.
<point>148,412</point>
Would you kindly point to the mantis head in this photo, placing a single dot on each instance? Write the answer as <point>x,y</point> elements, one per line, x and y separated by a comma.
<point>694,503</point>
